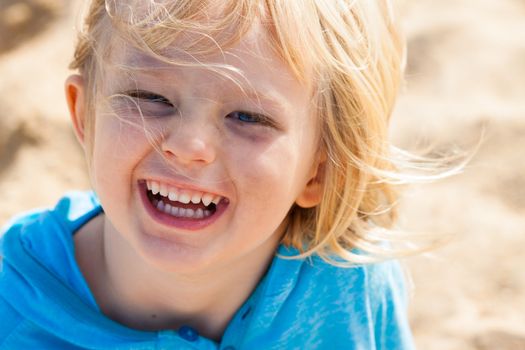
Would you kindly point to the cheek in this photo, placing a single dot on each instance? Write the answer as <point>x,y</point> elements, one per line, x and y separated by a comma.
<point>116,149</point>
<point>266,173</point>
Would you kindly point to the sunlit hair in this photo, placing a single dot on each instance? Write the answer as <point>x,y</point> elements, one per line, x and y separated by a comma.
<point>351,52</point>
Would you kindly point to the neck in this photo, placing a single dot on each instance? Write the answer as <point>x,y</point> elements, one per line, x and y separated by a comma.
<point>141,296</point>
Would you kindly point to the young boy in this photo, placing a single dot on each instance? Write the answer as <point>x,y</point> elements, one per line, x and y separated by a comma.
<point>234,149</point>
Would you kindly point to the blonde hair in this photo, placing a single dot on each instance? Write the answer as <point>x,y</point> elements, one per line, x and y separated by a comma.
<point>354,53</point>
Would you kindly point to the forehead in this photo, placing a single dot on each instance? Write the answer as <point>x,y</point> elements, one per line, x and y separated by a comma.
<point>184,52</point>
<point>250,65</point>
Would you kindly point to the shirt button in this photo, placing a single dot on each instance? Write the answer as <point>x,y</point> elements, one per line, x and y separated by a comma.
<point>188,333</point>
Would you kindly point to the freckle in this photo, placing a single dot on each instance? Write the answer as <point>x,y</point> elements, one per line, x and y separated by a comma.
<point>153,316</point>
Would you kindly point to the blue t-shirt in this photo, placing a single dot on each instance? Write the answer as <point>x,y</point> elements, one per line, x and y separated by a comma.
<point>45,303</point>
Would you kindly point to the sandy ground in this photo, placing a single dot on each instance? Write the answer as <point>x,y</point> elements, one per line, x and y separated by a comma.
<point>466,76</point>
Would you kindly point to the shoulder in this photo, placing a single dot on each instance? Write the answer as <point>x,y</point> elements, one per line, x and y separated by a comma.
<point>44,238</point>
<point>46,233</point>
<point>376,291</point>
<point>38,275</point>
<point>373,280</point>
<point>311,303</point>
<point>371,296</point>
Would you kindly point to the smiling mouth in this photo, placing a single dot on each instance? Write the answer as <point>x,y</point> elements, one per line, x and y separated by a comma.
<point>181,203</point>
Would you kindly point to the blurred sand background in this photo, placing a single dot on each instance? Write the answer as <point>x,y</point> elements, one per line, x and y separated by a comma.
<point>466,72</point>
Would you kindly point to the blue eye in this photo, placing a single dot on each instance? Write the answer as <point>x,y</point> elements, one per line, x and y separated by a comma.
<point>246,117</point>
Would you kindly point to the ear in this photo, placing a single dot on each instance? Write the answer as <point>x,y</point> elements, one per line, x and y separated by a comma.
<point>74,89</point>
<point>313,191</point>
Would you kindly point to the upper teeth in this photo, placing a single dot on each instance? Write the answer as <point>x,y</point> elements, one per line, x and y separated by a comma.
<point>184,196</point>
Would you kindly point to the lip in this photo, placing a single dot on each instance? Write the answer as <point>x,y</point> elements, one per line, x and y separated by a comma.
<point>169,221</point>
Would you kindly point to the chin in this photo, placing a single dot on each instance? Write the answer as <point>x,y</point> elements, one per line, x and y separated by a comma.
<point>174,256</point>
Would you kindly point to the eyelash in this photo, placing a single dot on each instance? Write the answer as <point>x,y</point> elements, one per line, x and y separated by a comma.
<point>256,119</point>
<point>149,96</point>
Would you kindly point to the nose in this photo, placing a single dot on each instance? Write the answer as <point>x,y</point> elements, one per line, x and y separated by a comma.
<point>190,142</point>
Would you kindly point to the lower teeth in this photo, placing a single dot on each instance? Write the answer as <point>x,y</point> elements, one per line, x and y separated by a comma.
<point>181,212</point>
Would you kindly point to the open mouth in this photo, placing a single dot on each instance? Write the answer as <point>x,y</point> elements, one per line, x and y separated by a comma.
<point>181,203</point>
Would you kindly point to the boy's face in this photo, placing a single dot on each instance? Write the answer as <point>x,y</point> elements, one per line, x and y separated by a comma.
<point>255,149</point>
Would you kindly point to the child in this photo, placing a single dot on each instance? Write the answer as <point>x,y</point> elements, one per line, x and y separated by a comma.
<point>239,158</point>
